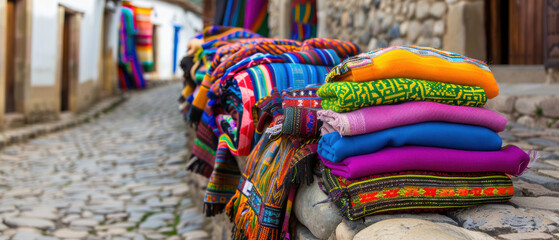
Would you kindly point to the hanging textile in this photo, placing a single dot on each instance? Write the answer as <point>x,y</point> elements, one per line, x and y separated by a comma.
<point>144,37</point>
<point>304,19</point>
<point>129,69</point>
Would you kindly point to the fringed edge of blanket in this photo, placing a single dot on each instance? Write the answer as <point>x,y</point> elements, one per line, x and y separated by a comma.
<point>199,166</point>
<point>212,209</point>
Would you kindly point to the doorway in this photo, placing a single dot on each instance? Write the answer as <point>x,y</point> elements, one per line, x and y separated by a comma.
<point>10,104</point>
<point>65,78</point>
<point>514,31</point>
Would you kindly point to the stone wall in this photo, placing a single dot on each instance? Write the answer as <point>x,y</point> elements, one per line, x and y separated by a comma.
<point>530,110</point>
<point>453,25</point>
<point>381,23</point>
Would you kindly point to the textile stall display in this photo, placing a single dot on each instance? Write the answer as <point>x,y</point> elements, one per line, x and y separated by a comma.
<point>382,136</point>
<point>404,131</point>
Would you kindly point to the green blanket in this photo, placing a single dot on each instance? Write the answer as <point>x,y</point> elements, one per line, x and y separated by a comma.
<point>349,96</point>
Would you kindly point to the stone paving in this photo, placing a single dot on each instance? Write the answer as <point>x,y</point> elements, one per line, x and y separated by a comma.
<point>118,177</point>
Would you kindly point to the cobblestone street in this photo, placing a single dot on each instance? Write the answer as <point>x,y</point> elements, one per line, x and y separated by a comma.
<point>118,177</point>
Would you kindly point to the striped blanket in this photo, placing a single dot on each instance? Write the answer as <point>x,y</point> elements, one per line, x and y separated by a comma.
<point>414,191</point>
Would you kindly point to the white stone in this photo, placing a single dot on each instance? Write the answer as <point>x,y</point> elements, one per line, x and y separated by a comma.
<point>416,229</point>
<point>84,222</point>
<point>526,120</point>
<point>422,10</point>
<point>321,219</point>
<point>413,31</point>
<point>438,9</point>
<point>526,236</point>
<point>30,222</point>
<point>549,203</point>
<point>404,28</point>
<point>529,105</point>
<point>438,28</point>
<point>69,233</point>
<point>343,231</point>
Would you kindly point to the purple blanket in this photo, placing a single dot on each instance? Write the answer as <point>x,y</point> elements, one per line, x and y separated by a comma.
<point>376,118</point>
<point>511,160</point>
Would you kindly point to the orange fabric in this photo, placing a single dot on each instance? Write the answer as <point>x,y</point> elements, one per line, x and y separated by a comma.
<point>405,64</point>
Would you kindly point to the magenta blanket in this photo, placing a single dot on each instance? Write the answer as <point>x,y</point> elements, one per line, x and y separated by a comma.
<point>376,118</point>
<point>511,160</point>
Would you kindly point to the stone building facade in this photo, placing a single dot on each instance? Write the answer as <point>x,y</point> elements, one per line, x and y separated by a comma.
<point>61,56</point>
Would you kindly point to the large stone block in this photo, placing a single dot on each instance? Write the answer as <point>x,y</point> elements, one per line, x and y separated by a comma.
<point>550,107</point>
<point>465,33</point>
<point>502,219</point>
<point>321,219</point>
<point>502,103</point>
<point>407,228</point>
<point>529,105</point>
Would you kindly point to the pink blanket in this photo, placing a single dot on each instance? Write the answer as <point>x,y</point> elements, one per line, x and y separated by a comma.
<point>511,160</point>
<point>376,118</point>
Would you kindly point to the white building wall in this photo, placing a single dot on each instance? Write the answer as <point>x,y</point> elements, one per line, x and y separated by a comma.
<point>166,16</point>
<point>44,39</point>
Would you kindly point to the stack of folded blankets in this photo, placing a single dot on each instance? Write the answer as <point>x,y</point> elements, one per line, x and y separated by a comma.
<point>404,129</point>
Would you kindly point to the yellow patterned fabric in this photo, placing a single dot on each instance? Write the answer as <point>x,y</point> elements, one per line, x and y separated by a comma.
<point>349,96</point>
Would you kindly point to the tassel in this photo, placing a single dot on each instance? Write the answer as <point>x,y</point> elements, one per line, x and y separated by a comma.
<point>194,114</point>
<point>534,156</point>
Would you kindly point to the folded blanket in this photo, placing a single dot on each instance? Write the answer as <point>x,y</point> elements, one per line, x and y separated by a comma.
<point>511,160</point>
<point>376,118</point>
<point>414,191</point>
<point>349,96</point>
<point>420,63</point>
<point>334,147</point>
<point>300,108</point>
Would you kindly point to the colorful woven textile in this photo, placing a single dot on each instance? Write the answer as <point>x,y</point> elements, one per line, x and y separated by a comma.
<point>420,63</point>
<point>257,82</point>
<point>256,16</point>
<point>144,37</point>
<point>129,68</point>
<point>225,176</point>
<point>417,191</point>
<point>304,19</point>
<point>277,163</point>
<point>511,160</point>
<point>376,118</point>
<point>344,49</point>
<point>300,109</point>
<point>235,13</point>
<point>349,96</point>
<point>335,148</point>
<point>222,33</point>
<point>204,149</point>
<point>272,47</point>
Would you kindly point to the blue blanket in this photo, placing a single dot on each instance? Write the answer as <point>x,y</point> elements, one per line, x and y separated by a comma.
<point>336,148</point>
